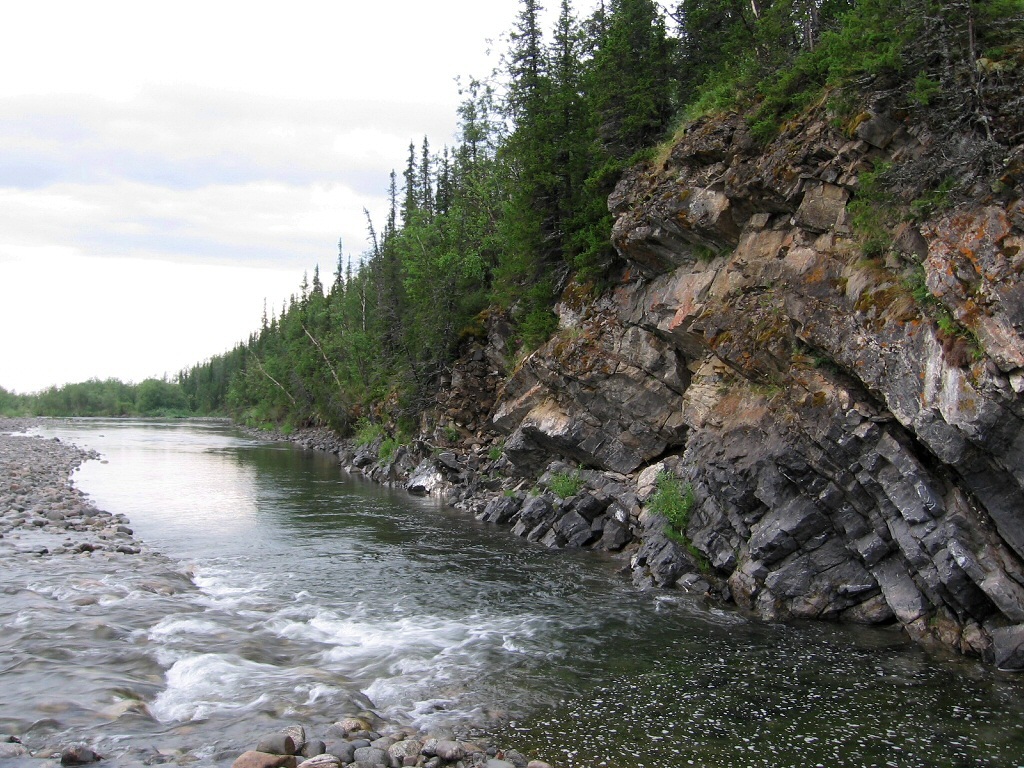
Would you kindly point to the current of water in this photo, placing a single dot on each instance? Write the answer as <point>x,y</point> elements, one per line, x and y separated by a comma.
<point>284,591</point>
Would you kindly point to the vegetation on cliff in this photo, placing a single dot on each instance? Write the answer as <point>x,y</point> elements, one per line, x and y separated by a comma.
<point>516,211</point>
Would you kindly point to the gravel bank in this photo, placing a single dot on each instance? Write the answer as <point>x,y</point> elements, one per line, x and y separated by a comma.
<point>43,516</point>
<point>41,513</point>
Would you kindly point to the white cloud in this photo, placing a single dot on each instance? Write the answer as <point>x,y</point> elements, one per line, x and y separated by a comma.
<point>166,166</point>
<point>74,318</point>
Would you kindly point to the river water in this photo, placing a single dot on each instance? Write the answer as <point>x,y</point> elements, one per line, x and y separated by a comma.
<point>280,590</point>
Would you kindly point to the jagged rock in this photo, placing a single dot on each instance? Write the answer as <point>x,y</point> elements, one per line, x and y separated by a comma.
<point>1008,648</point>
<point>426,479</point>
<point>850,456</point>
<point>501,509</point>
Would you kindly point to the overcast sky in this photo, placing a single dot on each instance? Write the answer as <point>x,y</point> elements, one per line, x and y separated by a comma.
<point>165,167</point>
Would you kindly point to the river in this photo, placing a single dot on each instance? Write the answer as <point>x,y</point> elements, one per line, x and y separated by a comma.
<point>281,590</point>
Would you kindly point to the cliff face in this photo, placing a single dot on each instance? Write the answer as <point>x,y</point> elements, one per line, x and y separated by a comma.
<point>852,427</point>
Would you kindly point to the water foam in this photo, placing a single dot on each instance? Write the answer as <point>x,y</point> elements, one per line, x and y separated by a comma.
<point>202,685</point>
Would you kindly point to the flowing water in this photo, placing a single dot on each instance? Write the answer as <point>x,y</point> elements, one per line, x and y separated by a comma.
<point>281,590</point>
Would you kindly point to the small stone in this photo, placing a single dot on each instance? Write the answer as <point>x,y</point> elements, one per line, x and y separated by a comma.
<point>449,751</point>
<point>277,744</point>
<point>298,734</point>
<point>322,761</point>
<point>254,759</point>
<point>372,755</point>
<point>12,750</point>
<point>346,751</point>
<point>313,748</point>
<point>537,764</point>
<point>351,725</point>
<point>78,754</point>
<point>404,751</point>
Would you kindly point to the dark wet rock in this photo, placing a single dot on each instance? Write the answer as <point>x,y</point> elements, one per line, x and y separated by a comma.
<point>78,754</point>
<point>1008,648</point>
<point>501,510</point>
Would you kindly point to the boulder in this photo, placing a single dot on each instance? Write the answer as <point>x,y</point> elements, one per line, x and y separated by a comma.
<point>426,479</point>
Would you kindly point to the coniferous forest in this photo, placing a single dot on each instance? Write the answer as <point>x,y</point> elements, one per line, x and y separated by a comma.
<point>515,212</point>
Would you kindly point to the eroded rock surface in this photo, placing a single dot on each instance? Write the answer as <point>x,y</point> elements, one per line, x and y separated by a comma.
<point>852,428</point>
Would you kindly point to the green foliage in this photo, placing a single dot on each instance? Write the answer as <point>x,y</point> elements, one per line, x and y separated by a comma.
<point>12,404</point>
<point>925,89</point>
<point>537,327</point>
<point>673,501</point>
<point>387,449</point>
<point>495,452</point>
<point>566,484</point>
<point>367,431</point>
<point>870,211</point>
<point>933,201</point>
<point>109,397</point>
<point>918,287</point>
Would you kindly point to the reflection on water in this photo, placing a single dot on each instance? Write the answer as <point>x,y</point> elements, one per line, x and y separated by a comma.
<point>308,593</point>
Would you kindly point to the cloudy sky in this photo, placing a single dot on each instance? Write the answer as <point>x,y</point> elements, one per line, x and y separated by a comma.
<point>165,167</point>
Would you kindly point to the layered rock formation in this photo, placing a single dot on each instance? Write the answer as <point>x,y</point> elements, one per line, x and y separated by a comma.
<point>852,427</point>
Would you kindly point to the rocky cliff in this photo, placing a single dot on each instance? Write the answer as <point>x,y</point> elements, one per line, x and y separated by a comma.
<point>851,426</point>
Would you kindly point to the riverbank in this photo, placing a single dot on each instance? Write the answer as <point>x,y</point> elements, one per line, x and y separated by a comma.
<point>48,526</point>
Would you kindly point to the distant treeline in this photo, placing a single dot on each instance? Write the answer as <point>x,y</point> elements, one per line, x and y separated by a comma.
<point>111,397</point>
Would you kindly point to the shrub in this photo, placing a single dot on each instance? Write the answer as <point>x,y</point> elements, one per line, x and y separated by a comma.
<point>387,449</point>
<point>566,484</point>
<point>367,432</point>
<point>673,501</point>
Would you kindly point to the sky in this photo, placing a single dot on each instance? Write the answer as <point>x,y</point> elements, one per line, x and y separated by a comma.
<point>166,168</point>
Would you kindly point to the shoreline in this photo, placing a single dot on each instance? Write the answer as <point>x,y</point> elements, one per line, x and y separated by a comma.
<point>42,515</point>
